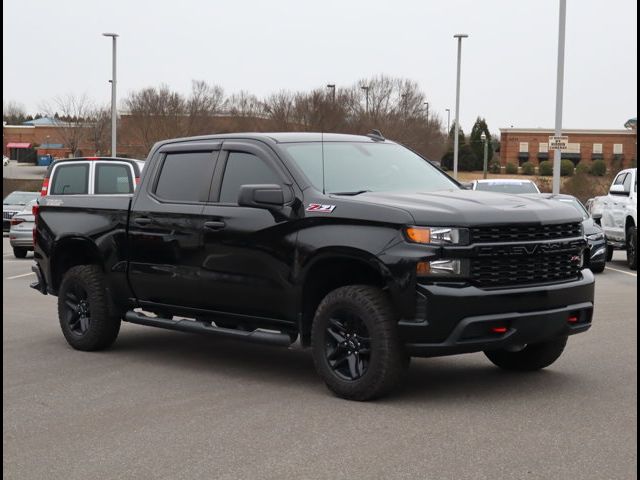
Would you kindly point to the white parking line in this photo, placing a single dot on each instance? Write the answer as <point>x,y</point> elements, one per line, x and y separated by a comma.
<point>622,271</point>
<point>19,276</point>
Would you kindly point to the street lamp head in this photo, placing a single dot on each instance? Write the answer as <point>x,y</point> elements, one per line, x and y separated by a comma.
<point>331,85</point>
<point>461,35</point>
<point>110,35</point>
<point>483,137</point>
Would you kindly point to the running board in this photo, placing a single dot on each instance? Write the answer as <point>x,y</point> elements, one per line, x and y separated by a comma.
<point>195,326</point>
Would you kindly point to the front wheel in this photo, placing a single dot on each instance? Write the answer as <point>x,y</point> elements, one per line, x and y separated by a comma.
<point>20,252</point>
<point>87,318</point>
<point>355,344</point>
<point>632,248</point>
<point>532,357</point>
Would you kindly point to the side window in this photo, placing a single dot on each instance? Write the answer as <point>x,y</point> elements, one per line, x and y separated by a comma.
<point>114,178</point>
<point>70,180</point>
<point>185,176</point>
<point>620,179</point>
<point>627,183</point>
<point>244,169</point>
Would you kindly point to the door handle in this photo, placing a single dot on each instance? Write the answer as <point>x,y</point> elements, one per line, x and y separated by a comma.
<point>214,225</point>
<point>142,221</point>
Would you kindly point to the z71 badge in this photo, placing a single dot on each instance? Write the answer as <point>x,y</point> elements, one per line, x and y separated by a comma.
<point>317,207</point>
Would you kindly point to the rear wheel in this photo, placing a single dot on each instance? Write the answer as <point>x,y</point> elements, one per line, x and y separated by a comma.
<point>20,252</point>
<point>632,248</point>
<point>532,357</point>
<point>598,267</point>
<point>87,318</point>
<point>356,349</point>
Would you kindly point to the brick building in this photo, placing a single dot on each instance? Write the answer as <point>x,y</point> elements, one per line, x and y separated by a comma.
<point>520,145</point>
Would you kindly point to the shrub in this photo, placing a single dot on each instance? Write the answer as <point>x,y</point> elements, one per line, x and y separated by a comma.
<point>528,168</point>
<point>495,167</point>
<point>582,169</point>
<point>567,168</point>
<point>546,168</point>
<point>598,168</point>
<point>512,169</point>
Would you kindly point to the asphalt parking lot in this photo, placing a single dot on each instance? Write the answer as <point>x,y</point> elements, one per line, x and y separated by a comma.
<point>168,405</point>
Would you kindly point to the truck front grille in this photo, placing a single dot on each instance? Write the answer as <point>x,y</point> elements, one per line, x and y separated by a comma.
<point>8,215</point>
<point>525,233</point>
<point>508,270</point>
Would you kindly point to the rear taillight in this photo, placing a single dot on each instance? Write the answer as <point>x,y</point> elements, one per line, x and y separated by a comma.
<point>35,209</point>
<point>45,187</point>
<point>137,180</point>
<point>16,221</point>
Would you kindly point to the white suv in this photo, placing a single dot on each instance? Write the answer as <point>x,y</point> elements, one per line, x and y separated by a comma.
<point>618,213</point>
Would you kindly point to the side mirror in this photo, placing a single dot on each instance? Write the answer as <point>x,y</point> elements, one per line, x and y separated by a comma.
<point>597,216</point>
<point>261,196</point>
<point>618,190</point>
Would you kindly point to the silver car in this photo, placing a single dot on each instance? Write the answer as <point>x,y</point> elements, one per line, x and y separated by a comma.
<point>21,232</point>
<point>15,203</point>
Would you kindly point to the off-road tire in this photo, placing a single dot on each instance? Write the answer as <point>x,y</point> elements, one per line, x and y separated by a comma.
<point>632,248</point>
<point>104,323</point>
<point>388,361</point>
<point>534,356</point>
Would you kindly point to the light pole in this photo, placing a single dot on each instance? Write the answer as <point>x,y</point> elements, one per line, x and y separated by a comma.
<point>459,36</point>
<point>557,156</point>
<point>448,120</point>
<point>114,113</point>
<point>332,86</point>
<point>366,90</point>
<point>483,137</point>
<point>427,105</point>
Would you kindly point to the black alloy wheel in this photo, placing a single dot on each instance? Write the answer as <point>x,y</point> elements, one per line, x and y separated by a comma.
<point>77,312</point>
<point>347,345</point>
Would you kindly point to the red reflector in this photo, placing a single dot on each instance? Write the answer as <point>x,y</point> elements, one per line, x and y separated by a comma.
<point>35,209</point>
<point>499,329</point>
<point>573,319</point>
<point>16,221</point>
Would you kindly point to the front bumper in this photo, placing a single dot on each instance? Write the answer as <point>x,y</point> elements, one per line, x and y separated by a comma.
<point>460,319</point>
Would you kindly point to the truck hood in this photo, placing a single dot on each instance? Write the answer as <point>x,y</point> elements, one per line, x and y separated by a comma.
<point>463,208</point>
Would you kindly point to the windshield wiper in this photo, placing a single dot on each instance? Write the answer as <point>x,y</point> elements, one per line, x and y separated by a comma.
<point>351,194</point>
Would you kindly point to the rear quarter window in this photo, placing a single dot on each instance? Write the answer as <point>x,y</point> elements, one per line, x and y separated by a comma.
<point>113,179</point>
<point>70,180</point>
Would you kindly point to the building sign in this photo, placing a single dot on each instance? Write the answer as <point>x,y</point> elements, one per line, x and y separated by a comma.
<point>558,143</point>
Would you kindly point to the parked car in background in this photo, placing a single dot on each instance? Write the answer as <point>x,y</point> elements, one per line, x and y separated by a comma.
<point>5,160</point>
<point>14,203</point>
<point>618,214</point>
<point>509,185</point>
<point>92,176</point>
<point>595,256</point>
<point>21,232</point>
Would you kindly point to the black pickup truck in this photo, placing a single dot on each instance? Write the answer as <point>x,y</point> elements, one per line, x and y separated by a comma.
<point>352,245</point>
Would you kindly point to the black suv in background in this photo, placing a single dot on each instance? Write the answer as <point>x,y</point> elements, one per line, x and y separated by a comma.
<point>352,245</point>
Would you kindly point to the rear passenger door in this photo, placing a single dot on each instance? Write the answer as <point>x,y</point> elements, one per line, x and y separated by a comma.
<point>166,227</point>
<point>249,252</point>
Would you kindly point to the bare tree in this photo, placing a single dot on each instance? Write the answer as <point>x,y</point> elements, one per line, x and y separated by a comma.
<point>70,112</point>
<point>13,113</point>
<point>99,128</point>
<point>156,114</point>
<point>280,109</point>
<point>205,102</point>
<point>247,111</point>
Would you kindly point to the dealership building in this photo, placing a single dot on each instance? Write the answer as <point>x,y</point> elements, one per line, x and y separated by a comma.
<point>520,145</point>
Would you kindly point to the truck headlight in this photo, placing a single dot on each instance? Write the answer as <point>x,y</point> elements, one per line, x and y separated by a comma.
<point>443,268</point>
<point>437,235</point>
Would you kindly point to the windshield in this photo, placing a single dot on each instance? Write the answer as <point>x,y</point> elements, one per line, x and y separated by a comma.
<point>20,198</point>
<point>575,203</point>
<point>507,187</point>
<point>354,167</point>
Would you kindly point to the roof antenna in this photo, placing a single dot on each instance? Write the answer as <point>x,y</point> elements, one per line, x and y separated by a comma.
<point>376,135</point>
